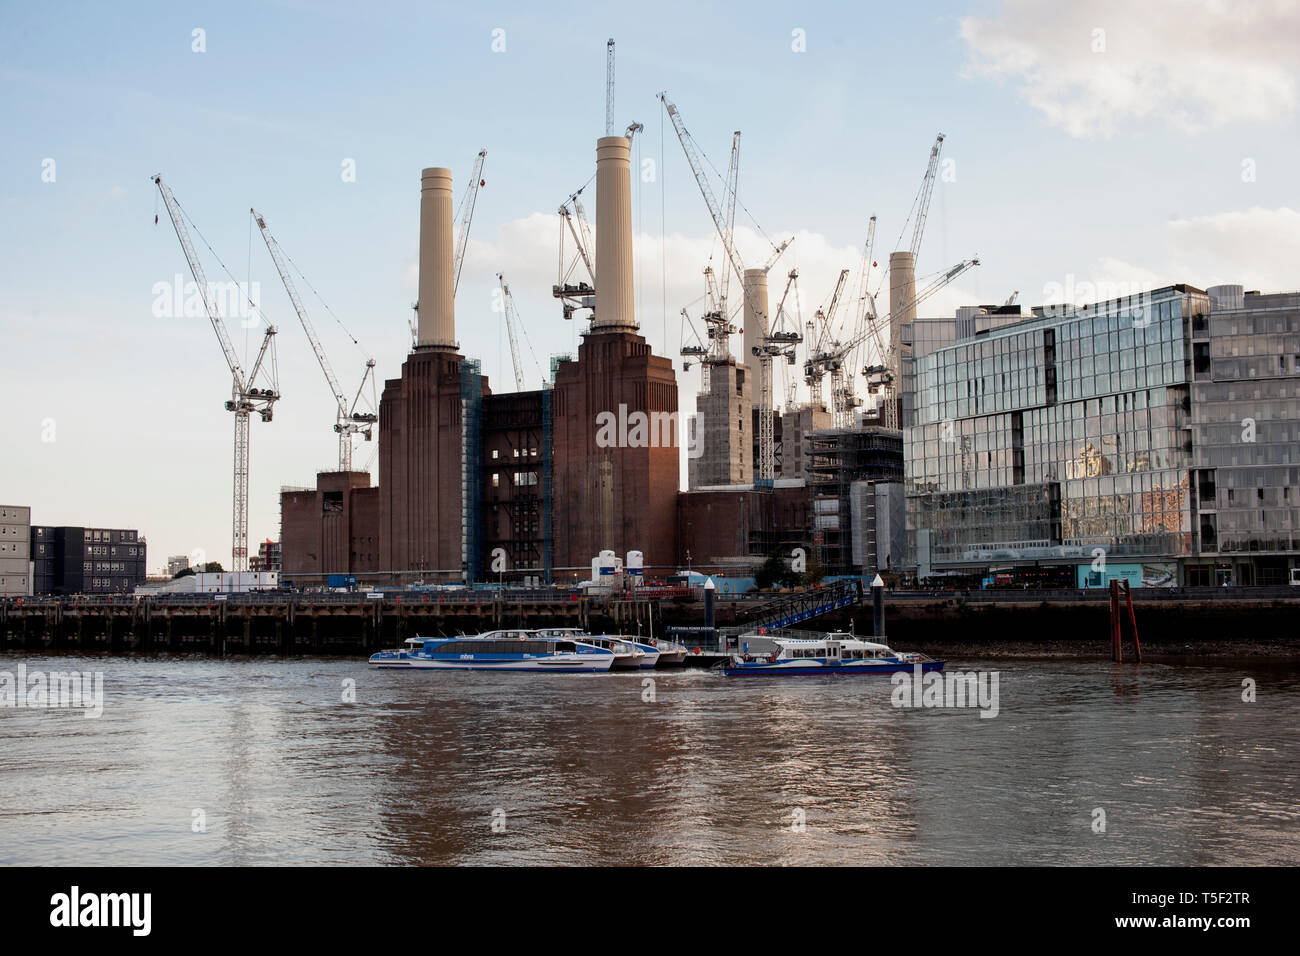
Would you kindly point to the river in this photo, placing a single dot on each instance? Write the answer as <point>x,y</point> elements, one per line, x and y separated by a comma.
<point>263,761</point>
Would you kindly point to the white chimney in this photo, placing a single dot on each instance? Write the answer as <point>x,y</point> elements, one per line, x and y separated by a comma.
<point>437,309</point>
<point>614,292</point>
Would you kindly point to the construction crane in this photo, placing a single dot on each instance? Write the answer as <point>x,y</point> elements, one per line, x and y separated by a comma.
<point>579,295</point>
<point>922,204</point>
<point>245,397</point>
<point>349,419</point>
<point>582,294</point>
<point>778,340</point>
<point>723,220</point>
<point>508,305</point>
<point>609,87</point>
<point>843,392</point>
<point>465,215</point>
<point>821,357</point>
<point>884,377</point>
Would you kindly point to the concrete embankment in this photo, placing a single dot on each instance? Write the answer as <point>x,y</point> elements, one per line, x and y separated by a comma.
<point>1196,622</point>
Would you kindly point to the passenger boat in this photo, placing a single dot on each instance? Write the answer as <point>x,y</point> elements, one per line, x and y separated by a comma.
<point>670,653</point>
<point>505,650</point>
<point>642,656</point>
<point>831,654</point>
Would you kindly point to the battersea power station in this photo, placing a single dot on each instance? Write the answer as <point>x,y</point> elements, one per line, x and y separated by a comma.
<point>464,472</point>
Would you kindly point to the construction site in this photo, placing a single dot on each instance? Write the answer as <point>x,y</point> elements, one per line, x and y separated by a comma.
<point>526,487</point>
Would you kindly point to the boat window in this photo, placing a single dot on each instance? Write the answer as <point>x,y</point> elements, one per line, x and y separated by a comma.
<point>565,646</point>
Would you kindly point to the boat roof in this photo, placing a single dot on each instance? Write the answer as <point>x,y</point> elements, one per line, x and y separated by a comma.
<point>820,641</point>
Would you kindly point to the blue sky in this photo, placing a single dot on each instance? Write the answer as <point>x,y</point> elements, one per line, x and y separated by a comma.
<point>1125,163</point>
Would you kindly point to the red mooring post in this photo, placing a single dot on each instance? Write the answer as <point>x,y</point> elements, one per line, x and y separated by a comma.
<point>1116,646</point>
<point>1132,621</point>
<point>1119,609</point>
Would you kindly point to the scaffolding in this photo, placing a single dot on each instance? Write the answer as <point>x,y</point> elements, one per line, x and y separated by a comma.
<point>548,477</point>
<point>471,491</point>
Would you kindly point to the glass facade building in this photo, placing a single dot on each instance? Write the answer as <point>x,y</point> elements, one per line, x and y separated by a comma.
<point>1245,424</point>
<point>1112,431</point>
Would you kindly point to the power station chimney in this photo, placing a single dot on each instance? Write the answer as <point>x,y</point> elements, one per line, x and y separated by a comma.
<point>614,294</point>
<point>437,309</point>
<point>757,323</point>
<point>902,292</point>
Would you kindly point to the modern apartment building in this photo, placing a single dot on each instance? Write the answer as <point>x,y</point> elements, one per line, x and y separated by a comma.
<point>1152,437</point>
<point>86,560</point>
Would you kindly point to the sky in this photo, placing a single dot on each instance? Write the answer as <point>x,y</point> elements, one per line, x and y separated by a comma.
<point>1085,144</point>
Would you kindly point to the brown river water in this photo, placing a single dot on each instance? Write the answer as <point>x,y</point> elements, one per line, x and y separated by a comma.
<point>262,761</point>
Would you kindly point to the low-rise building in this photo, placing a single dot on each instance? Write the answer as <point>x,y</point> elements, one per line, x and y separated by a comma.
<point>15,550</point>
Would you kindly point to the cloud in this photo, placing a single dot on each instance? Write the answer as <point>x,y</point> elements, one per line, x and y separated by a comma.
<point>1092,68</point>
<point>1255,247</point>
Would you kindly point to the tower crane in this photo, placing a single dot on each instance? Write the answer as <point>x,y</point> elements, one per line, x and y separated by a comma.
<point>884,377</point>
<point>609,87</point>
<point>465,215</point>
<point>843,392</point>
<point>579,295</point>
<point>508,305</point>
<point>821,357</point>
<point>922,203</point>
<point>778,340</point>
<point>245,396</point>
<point>724,222</point>
<point>349,419</point>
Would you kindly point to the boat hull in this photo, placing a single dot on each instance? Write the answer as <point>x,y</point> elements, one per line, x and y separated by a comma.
<point>567,664</point>
<point>650,656</point>
<point>814,668</point>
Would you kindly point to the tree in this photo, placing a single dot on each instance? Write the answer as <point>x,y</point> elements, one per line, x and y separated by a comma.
<point>213,567</point>
<point>816,571</point>
<point>183,573</point>
<point>772,571</point>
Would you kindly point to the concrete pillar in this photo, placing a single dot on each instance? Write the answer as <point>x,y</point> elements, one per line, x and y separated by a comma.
<point>614,292</point>
<point>902,290</point>
<point>437,317</point>
<point>757,321</point>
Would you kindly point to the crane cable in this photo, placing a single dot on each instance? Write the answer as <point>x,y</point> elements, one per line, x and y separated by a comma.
<point>203,292</point>
<point>319,297</point>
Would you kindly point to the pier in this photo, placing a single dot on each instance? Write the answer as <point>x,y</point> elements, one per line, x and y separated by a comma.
<point>356,623</point>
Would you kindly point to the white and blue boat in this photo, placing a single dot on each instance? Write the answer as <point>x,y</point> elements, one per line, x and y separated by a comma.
<point>629,653</point>
<point>505,650</point>
<point>833,654</point>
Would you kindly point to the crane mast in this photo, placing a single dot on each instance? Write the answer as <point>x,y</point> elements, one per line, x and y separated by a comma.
<point>348,421</point>
<point>508,305</point>
<point>245,397</point>
<point>609,87</point>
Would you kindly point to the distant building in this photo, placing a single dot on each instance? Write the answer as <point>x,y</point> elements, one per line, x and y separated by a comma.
<point>69,560</point>
<point>15,550</point>
<point>842,459</point>
<point>267,557</point>
<point>176,564</point>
